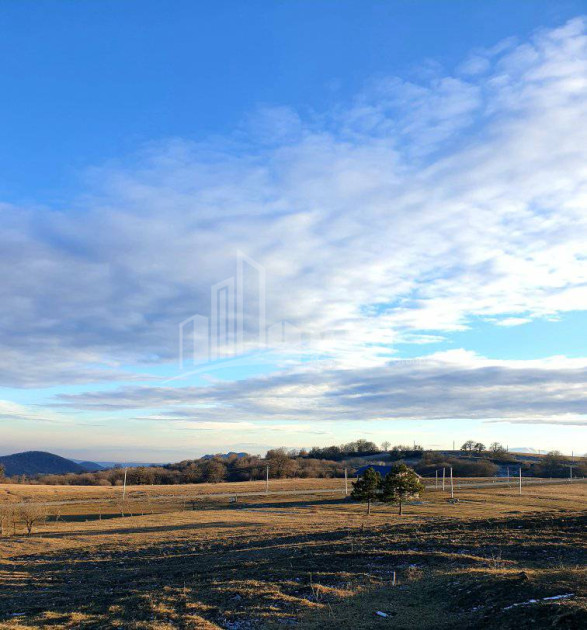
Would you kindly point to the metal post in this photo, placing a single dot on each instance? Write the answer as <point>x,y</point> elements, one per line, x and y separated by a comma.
<point>436,479</point>
<point>520,480</point>
<point>123,491</point>
<point>443,476</point>
<point>267,481</point>
<point>452,490</point>
<point>346,483</point>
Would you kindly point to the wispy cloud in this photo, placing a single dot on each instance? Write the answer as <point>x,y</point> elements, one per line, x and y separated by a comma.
<point>11,412</point>
<point>450,385</point>
<point>408,210</point>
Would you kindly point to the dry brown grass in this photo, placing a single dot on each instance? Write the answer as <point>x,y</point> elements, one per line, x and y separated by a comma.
<point>18,491</point>
<point>307,561</point>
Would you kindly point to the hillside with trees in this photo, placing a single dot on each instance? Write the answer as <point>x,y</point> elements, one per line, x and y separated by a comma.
<point>472,460</point>
<point>37,462</point>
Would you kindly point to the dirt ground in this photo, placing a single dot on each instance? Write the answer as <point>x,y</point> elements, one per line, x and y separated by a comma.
<point>306,561</point>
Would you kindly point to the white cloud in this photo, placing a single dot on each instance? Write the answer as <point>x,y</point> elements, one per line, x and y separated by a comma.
<point>410,210</point>
<point>12,412</point>
<point>450,385</point>
<point>513,321</point>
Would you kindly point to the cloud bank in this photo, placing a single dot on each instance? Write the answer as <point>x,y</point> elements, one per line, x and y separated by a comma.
<point>450,385</point>
<point>399,216</point>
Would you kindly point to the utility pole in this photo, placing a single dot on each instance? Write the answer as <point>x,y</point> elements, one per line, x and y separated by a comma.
<point>452,489</point>
<point>267,481</point>
<point>123,491</point>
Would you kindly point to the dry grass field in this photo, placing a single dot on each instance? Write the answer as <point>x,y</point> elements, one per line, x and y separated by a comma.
<point>18,492</point>
<point>308,561</point>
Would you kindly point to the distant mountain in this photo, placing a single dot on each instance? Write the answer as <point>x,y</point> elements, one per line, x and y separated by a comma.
<point>90,466</point>
<point>38,462</point>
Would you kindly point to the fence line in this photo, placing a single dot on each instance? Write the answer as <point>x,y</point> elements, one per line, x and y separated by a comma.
<point>500,482</point>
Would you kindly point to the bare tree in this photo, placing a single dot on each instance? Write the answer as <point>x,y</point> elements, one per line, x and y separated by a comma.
<point>31,514</point>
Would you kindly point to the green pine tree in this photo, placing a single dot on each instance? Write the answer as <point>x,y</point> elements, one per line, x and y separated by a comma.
<point>367,488</point>
<point>400,484</point>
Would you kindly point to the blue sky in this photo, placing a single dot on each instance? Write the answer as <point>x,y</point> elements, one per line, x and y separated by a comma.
<point>407,174</point>
<point>88,82</point>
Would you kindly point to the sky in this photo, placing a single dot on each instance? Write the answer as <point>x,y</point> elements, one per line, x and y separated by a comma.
<point>236,226</point>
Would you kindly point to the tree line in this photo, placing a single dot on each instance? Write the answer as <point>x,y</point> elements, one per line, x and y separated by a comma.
<point>203,470</point>
<point>318,462</point>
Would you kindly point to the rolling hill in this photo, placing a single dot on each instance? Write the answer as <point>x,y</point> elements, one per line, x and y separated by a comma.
<point>90,466</point>
<point>38,462</point>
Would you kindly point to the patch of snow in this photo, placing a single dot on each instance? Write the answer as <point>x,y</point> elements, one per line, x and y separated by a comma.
<point>544,599</point>
<point>566,596</point>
